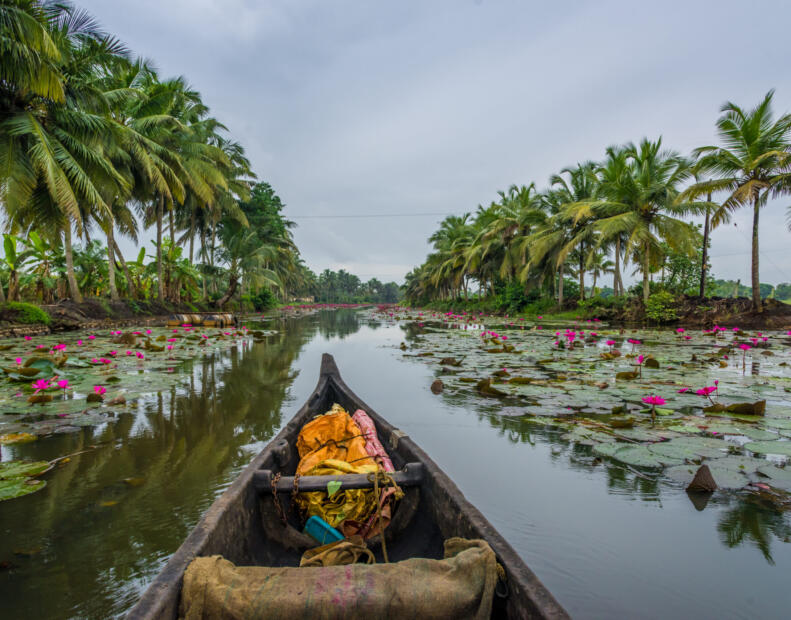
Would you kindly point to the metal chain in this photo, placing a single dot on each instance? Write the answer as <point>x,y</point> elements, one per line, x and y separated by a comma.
<point>276,500</point>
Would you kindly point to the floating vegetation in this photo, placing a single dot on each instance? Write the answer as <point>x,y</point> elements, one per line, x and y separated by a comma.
<point>59,383</point>
<point>663,400</point>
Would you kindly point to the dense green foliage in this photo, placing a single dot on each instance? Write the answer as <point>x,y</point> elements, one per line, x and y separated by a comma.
<point>343,287</point>
<point>25,313</point>
<point>596,219</point>
<point>93,139</point>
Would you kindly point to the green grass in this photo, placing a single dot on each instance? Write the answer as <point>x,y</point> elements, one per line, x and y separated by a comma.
<point>27,313</point>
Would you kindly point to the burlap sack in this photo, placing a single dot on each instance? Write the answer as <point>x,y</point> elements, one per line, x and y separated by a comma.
<point>459,586</point>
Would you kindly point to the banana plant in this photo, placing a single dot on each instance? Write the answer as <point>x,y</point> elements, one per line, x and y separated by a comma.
<point>13,260</point>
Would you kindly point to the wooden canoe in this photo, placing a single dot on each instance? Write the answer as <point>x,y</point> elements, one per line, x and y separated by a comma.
<point>243,524</point>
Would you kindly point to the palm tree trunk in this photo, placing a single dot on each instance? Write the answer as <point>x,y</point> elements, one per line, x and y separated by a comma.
<point>13,285</point>
<point>646,287</point>
<point>560,286</point>
<point>111,262</point>
<point>160,284</point>
<point>616,274</point>
<point>582,279</point>
<point>192,235</point>
<point>593,288</point>
<point>74,290</point>
<point>129,281</point>
<point>2,294</point>
<point>172,224</point>
<point>229,293</point>
<point>705,252</point>
<point>757,307</point>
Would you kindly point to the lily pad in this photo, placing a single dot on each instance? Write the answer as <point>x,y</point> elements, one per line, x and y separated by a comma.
<point>770,447</point>
<point>17,487</point>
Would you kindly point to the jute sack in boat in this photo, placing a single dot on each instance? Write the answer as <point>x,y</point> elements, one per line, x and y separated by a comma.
<point>459,586</point>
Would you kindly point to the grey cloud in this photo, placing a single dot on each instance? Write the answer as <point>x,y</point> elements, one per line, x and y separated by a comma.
<point>418,107</point>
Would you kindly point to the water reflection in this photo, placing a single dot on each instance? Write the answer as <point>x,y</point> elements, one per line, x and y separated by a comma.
<point>110,517</point>
<point>746,517</point>
<point>755,520</point>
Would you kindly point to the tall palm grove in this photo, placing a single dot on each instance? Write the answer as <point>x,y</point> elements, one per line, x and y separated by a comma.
<point>95,145</point>
<point>630,211</point>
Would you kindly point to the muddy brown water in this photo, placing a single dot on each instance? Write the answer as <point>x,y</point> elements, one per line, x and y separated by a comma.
<point>607,543</point>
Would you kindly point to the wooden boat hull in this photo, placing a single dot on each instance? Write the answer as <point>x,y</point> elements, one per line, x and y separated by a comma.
<point>243,525</point>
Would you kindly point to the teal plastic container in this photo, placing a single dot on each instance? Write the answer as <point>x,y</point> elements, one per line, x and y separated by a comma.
<point>321,531</point>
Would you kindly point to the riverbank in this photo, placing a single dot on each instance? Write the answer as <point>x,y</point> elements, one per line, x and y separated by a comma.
<point>22,319</point>
<point>687,311</point>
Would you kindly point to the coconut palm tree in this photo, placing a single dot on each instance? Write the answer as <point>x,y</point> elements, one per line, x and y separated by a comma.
<point>54,154</point>
<point>640,200</point>
<point>751,164</point>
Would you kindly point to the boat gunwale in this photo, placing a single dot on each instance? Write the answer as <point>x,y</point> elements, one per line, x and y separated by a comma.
<point>161,598</point>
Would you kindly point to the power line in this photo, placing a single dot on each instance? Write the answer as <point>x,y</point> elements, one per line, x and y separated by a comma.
<point>366,215</point>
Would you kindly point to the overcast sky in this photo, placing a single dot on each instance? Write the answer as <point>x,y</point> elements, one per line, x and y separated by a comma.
<point>417,107</point>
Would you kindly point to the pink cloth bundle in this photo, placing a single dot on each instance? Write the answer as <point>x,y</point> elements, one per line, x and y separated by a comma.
<point>373,446</point>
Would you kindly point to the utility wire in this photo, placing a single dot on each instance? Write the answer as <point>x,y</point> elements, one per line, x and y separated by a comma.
<point>365,215</point>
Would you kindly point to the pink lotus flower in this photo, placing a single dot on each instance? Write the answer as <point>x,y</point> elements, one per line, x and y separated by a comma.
<point>129,353</point>
<point>28,338</point>
<point>94,361</point>
<point>140,356</point>
<point>539,317</point>
<point>40,384</point>
<point>91,337</point>
<point>687,337</point>
<point>705,391</point>
<point>745,347</point>
<point>680,330</point>
<point>63,384</point>
<point>172,339</point>
<point>610,343</point>
<point>148,331</point>
<point>640,359</point>
<point>169,347</point>
<point>18,361</point>
<point>79,343</point>
<point>682,390</point>
<point>59,347</point>
<point>113,353</point>
<point>98,389</point>
<point>104,360</point>
<point>653,400</point>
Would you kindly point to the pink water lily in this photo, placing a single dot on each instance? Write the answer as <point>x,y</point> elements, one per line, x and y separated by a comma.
<point>170,347</point>
<point>91,337</point>
<point>18,361</point>
<point>79,343</point>
<point>682,390</point>
<point>140,356</point>
<point>680,330</point>
<point>129,353</point>
<point>28,338</point>
<point>63,384</point>
<point>148,332</point>
<point>653,401</point>
<point>113,353</point>
<point>40,384</point>
<point>707,391</point>
<point>100,390</point>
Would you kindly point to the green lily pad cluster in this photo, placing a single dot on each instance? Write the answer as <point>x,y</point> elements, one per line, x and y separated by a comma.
<point>59,383</point>
<point>17,478</point>
<point>590,380</point>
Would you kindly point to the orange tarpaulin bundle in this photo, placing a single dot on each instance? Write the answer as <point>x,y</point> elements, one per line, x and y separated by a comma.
<point>332,436</point>
<point>330,444</point>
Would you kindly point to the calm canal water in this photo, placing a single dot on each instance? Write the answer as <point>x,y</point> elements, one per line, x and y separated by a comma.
<point>607,543</point>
